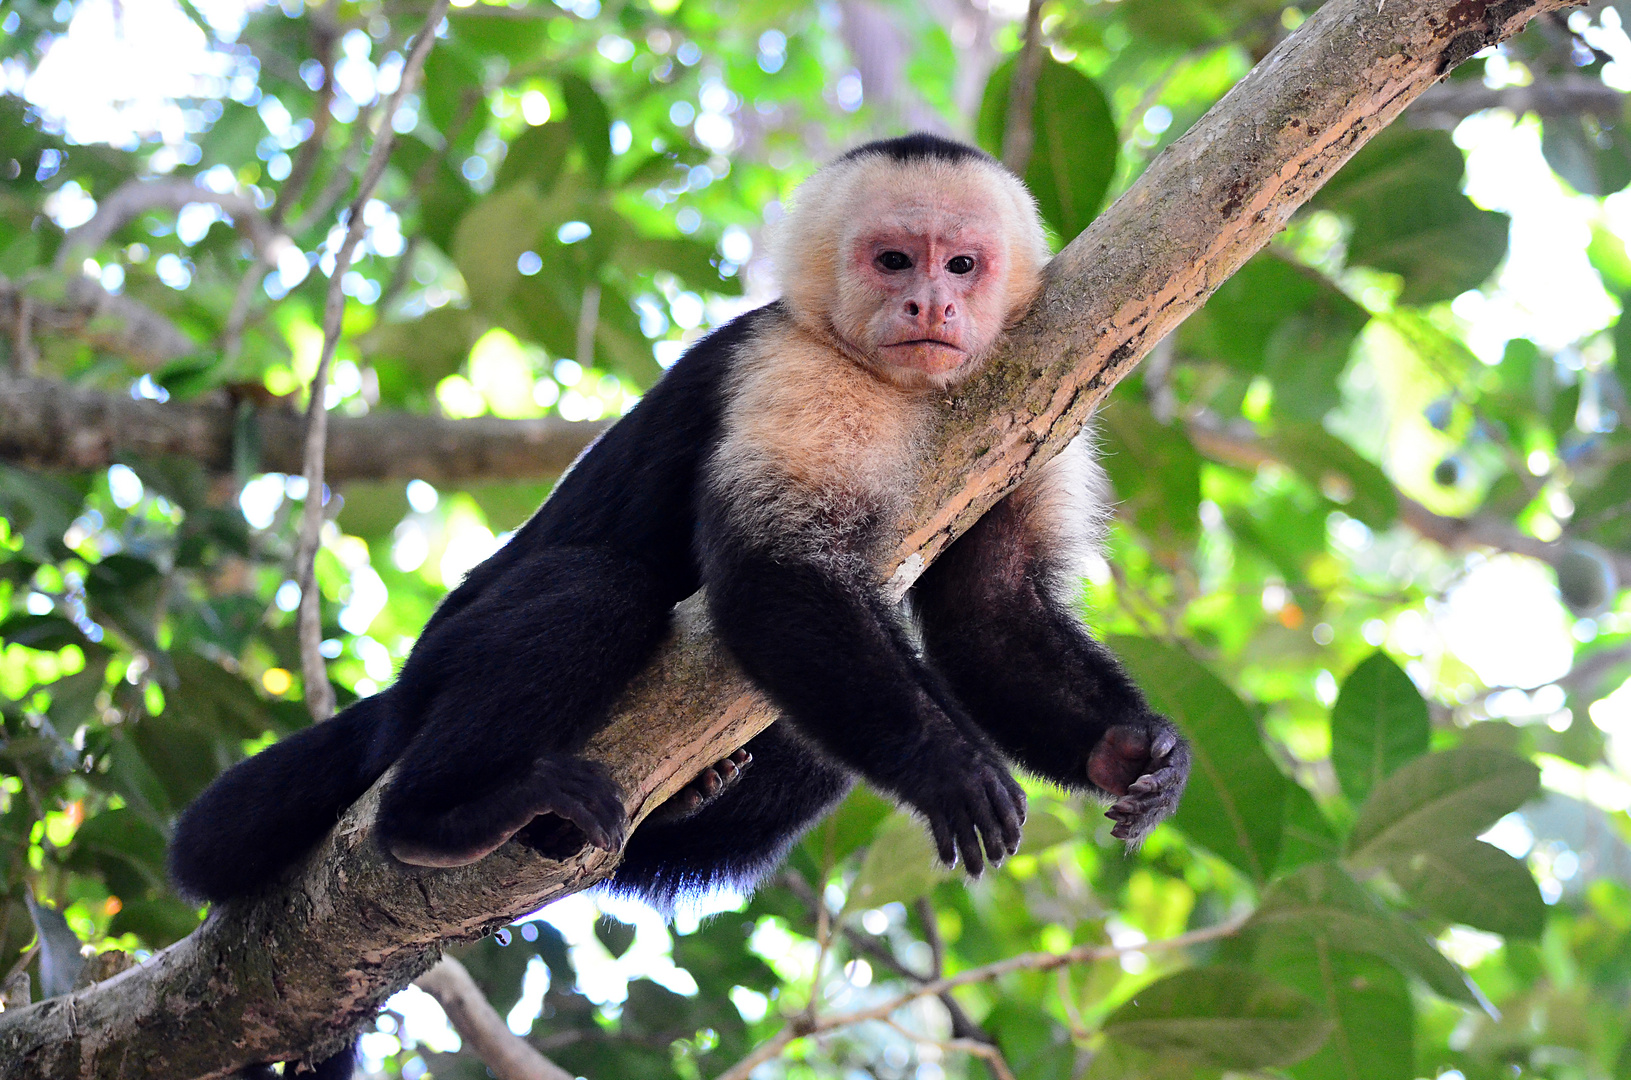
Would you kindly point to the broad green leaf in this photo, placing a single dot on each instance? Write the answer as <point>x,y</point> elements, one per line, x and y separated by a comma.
<point>537,155</point>
<point>1608,255</point>
<point>1450,795</point>
<point>1221,1016</point>
<point>1320,903</point>
<point>616,935</point>
<point>1235,802</point>
<point>899,865</point>
<point>1594,157</point>
<point>1043,830</point>
<point>1033,1043</point>
<point>591,124</point>
<point>490,238</point>
<point>1378,723</point>
<point>158,922</point>
<point>1155,471</point>
<point>1245,316</point>
<point>372,509</point>
<point>1335,468</point>
<point>1074,155</point>
<point>1402,192</point>
<point>1373,1037</point>
<point>1308,835</point>
<point>1471,882</point>
<point>123,849</point>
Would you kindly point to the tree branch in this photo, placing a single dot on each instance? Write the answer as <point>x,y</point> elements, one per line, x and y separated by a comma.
<point>136,197</point>
<point>482,1030</point>
<point>294,972</point>
<point>1019,132</point>
<point>89,312</point>
<point>51,425</point>
<point>318,693</point>
<point>1447,104</point>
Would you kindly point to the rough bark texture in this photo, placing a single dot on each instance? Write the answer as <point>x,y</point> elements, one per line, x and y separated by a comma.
<point>297,970</point>
<point>52,425</point>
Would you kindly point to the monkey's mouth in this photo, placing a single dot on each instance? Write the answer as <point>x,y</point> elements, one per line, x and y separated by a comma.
<point>930,354</point>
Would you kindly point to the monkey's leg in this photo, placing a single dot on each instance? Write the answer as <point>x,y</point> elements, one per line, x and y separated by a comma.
<point>1018,657</point>
<point>838,663</point>
<point>742,833</point>
<point>513,687</point>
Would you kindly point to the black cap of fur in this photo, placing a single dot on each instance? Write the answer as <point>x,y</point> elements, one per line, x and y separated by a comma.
<point>919,146</point>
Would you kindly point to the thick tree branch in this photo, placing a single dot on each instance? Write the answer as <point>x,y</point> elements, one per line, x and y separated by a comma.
<point>137,197</point>
<point>52,425</point>
<point>295,971</point>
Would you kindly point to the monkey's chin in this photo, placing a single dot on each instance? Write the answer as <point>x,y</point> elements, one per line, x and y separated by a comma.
<point>935,359</point>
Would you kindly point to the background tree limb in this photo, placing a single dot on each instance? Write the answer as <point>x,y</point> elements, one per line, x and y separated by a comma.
<point>294,972</point>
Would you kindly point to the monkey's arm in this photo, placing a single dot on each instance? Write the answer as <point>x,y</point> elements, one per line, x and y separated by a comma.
<point>997,624</point>
<point>827,651</point>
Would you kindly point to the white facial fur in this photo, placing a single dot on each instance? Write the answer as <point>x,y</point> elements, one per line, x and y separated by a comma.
<point>973,246</point>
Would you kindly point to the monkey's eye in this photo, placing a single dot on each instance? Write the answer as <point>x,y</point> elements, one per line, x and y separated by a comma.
<point>894,260</point>
<point>961,264</point>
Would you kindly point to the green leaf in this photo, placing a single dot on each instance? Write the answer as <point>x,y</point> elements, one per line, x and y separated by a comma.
<point>1034,1044</point>
<point>537,156</point>
<point>1402,192</point>
<point>1471,882</point>
<point>591,124</point>
<point>1074,155</point>
<point>1331,465</point>
<point>1155,472</point>
<point>1321,903</point>
<point>899,865</point>
<point>47,632</point>
<point>1308,835</point>
<point>1453,794</point>
<point>1043,830</point>
<point>157,922</point>
<point>1594,157</point>
<point>126,851</point>
<point>1221,1016</point>
<point>1378,723</point>
<point>1374,1035</point>
<point>490,238</point>
<point>1608,255</point>
<point>1235,802</point>
<point>617,936</point>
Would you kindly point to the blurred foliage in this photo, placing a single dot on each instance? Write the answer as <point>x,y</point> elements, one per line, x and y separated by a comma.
<point>1434,865</point>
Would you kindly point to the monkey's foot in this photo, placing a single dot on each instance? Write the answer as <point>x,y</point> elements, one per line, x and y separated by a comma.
<point>1146,764</point>
<point>708,786</point>
<point>561,805</point>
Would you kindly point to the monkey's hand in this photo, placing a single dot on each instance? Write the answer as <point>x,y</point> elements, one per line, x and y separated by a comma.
<point>978,802</point>
<point>1146,764</point>
<point>709,785</point>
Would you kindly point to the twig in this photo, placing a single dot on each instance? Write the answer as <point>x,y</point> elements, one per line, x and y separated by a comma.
<point>801,1026</point>
<point>984,1050</point>
<point>136,197</point>
<point>314,669</point>
<point>482,1030</point>
<point>325,33</point>
<point>24,359</point>
<point>1019,135</point>
<point>588,322</point>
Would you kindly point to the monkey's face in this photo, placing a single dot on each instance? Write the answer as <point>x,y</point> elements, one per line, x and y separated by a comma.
<point>926,295</point>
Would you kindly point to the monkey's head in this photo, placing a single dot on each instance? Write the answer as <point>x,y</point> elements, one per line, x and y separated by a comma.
<point>915,253</point>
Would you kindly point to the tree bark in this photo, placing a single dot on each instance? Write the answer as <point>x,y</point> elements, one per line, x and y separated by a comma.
<point>52,425</point>
<point>294,972</point>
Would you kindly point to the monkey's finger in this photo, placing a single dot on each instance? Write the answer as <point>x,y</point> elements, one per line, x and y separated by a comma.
<point>1010,818</point>
<point>989,817</point>
<point>1165,742</point>
<point>944,845</point>
<point>968,845</point>
<point>742,758</point>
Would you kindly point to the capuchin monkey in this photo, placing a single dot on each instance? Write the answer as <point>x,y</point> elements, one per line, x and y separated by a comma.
<point>767,467</point>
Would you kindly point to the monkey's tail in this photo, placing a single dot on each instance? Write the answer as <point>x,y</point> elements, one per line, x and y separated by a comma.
<point>265,812</point>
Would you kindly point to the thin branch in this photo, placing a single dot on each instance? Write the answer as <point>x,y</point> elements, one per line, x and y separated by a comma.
<point>984,1050</point>
<point>801,1027</point>
<point>136,197</point>
<point>90,313</point>
<point>482,1030</point>
<point>325,34</point>
<point>319,695</point>
<point>24,358</point>
<point>588,323</point>
<point>1019,134</point>
<point>1447,104</point>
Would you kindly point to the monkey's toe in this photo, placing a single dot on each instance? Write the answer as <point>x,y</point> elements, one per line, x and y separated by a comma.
<point>708,785</point>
